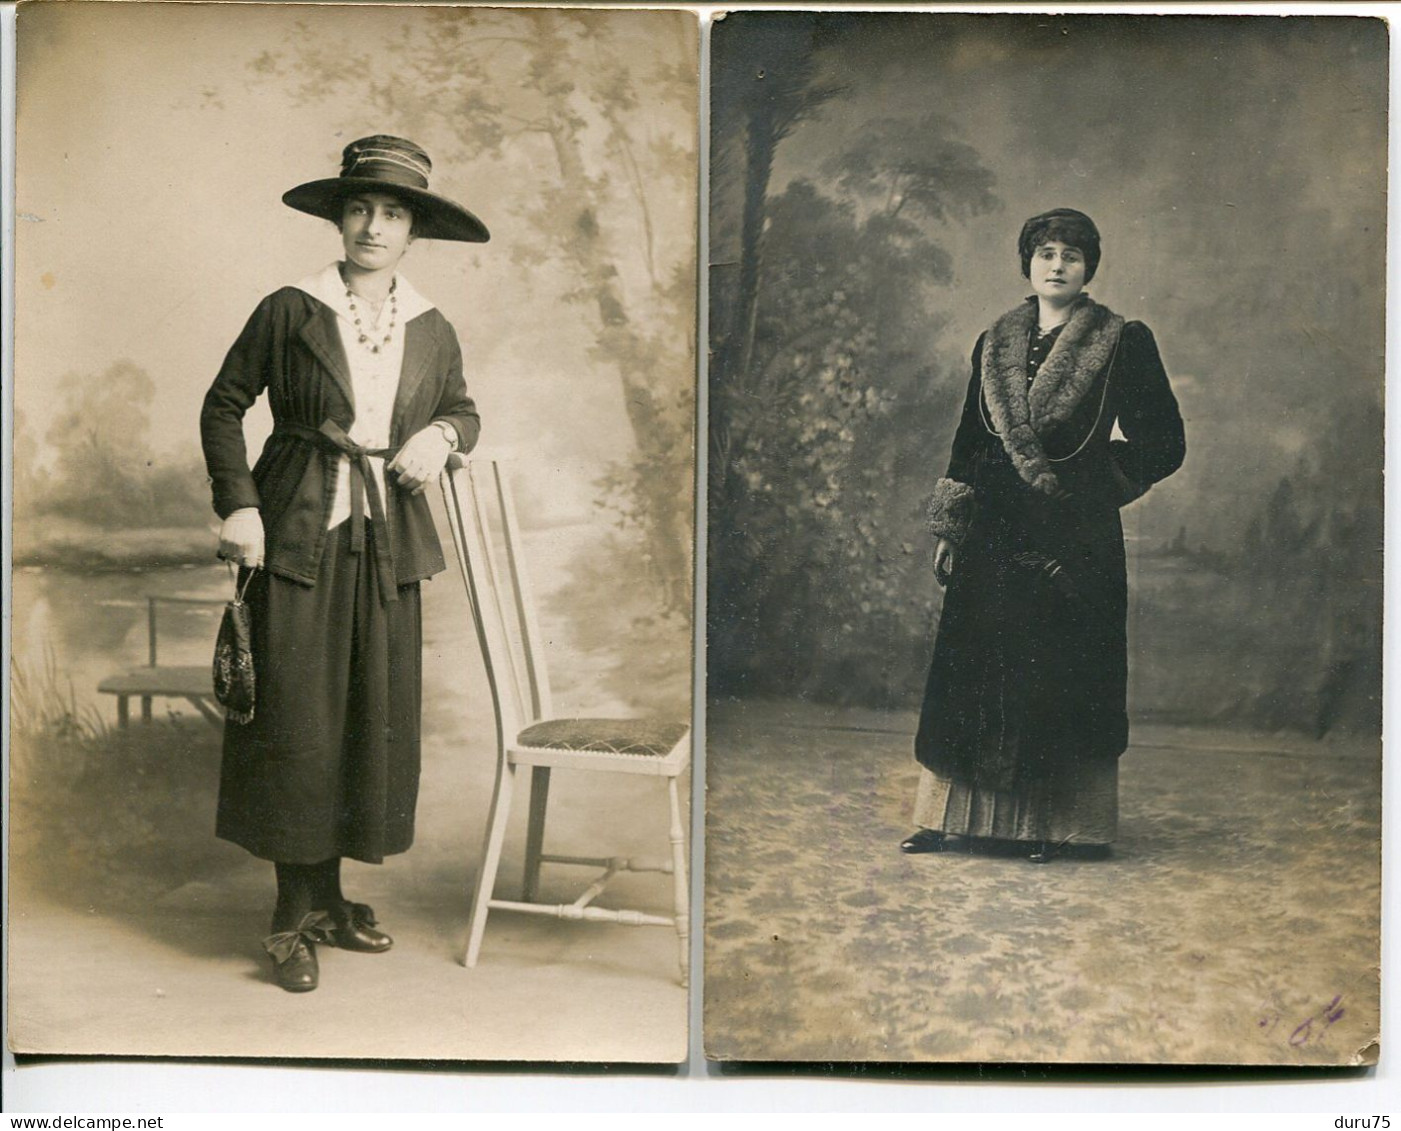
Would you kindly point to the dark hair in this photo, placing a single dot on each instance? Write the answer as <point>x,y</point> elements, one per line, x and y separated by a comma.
<point>1074,229</point>
<point>406,205</point>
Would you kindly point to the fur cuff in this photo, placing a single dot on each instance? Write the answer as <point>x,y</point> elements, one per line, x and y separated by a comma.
<point>950,510</point>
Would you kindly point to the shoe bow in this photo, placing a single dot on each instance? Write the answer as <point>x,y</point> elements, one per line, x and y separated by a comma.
<point>312,929</point>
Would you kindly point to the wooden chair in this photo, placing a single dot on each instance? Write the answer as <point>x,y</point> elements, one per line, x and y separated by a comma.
<point>482,519</point>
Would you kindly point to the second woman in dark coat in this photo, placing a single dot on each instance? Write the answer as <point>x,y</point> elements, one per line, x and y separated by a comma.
<point>1024,714</point>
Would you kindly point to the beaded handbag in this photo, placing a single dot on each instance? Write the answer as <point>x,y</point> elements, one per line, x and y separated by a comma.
<point>234,683</point>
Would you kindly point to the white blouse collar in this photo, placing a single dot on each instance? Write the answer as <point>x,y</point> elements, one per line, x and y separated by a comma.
<point>326,286</point>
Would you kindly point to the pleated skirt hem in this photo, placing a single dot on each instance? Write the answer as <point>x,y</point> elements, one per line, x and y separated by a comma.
<point>1081,807</point>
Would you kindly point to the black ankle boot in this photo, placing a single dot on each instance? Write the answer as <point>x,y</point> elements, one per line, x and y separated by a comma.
<point>352,927</point>
<point>924,840</point>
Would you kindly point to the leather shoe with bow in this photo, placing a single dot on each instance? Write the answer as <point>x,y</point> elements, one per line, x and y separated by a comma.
<point>293,954</point>
<point>353,928</point>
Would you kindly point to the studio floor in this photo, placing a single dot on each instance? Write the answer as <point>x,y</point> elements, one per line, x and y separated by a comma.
<point>1236,923</point>
<point>172,966</point>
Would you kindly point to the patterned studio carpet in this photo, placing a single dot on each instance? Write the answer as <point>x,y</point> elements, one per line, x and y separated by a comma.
<point>1237,922</point>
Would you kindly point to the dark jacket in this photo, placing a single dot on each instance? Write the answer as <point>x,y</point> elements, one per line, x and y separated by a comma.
<point>291,348</point>
<point>1030,664</point>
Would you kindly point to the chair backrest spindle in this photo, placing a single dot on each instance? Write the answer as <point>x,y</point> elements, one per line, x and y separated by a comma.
<point>499,580</point>
<point>454,487</point>
<point>497,590</point>
<point>536,674</point>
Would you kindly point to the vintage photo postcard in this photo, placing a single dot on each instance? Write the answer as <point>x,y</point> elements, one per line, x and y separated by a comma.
<point>393,309</point>
<point>1045,527</point>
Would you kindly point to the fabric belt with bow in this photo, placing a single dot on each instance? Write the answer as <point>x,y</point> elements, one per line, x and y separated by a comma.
<point>364,485</point>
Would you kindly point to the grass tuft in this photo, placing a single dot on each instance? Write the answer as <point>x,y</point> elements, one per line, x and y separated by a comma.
<point>44,703</point>
<point>104,814</point>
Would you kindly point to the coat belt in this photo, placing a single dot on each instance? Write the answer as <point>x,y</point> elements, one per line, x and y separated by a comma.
<point>332,437</point>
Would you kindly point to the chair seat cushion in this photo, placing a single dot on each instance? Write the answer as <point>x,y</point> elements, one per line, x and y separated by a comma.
<point>644,738</point>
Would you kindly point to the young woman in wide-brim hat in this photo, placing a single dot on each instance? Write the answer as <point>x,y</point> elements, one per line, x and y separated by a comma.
<point>364,379</point>
<point>1024,716</point>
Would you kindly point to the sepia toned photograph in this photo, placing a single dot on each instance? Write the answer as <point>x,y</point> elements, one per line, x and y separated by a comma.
<point>353,537</point>
<point>1045,528</point>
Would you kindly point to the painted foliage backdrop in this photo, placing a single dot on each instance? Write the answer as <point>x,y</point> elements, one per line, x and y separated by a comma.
<point>154,144</point>
<point>151,224</point>
<point>869,177</point>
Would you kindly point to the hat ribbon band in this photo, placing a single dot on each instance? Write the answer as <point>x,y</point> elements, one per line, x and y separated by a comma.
<point>387,156</point>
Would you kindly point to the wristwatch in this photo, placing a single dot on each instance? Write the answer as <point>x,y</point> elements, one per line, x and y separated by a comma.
<point>449,433</point>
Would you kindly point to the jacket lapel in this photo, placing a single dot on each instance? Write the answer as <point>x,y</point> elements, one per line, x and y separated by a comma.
<point>420,345</point>
<point>323,339</point>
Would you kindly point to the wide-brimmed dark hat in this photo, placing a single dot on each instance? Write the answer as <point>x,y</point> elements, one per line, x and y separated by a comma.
<point>394,165</point>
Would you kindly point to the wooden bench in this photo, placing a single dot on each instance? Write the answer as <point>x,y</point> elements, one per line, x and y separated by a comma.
<point>193,684</point>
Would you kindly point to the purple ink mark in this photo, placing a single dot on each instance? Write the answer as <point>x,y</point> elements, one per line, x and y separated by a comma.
<point>1331,1013</point>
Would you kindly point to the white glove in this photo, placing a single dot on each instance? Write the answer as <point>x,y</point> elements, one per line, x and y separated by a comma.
<point>422,457</point>
<point>241,537</point>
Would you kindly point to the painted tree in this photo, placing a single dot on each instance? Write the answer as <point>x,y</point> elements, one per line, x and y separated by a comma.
<point>765,84</point>
<point>915,167</point>
<point>105,473</point>
<point>821,443</point>
<point>599,117</point>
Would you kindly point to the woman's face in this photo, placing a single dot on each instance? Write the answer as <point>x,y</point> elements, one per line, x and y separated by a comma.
<point>376,229</point>
<point>1057,272</point>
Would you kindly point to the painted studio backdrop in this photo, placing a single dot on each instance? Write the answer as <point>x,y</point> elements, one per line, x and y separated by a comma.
<point>870,174</point>
<point>150,226</point>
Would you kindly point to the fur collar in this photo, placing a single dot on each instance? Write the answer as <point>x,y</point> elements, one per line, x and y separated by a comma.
<point>1079,355</point>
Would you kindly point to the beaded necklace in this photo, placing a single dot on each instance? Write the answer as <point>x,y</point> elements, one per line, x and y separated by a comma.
<point>364,338</point>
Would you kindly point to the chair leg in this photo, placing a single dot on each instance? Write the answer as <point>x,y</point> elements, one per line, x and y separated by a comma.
<point>678,875</point>
<point>491,859</point>
<point>535,831</point>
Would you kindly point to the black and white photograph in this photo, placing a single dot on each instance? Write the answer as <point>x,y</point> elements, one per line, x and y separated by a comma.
<point>631,556</point>
<point>353,536</point>
<point>1045,526</point>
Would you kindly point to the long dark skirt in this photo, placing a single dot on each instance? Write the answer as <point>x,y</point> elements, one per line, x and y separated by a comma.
<point>1029,675</point>
<point>329,766</point>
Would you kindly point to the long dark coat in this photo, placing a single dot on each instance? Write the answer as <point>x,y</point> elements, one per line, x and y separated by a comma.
<point>329,765</point>
<point>1030,662</point>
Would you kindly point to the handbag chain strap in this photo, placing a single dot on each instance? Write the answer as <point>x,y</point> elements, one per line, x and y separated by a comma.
<point>240,590</point>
